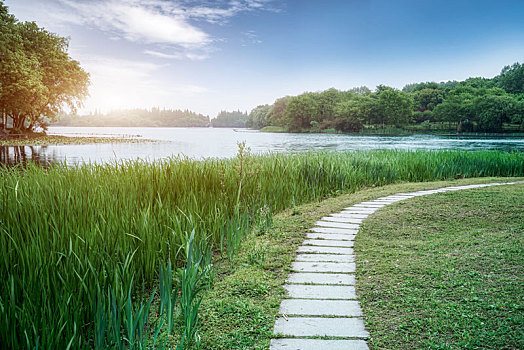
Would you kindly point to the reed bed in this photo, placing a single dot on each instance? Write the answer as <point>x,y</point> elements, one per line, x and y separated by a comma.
<point>71,235</point>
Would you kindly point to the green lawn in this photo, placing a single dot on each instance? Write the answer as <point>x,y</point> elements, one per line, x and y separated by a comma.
<point>445,271</point>
<point>239,311</point>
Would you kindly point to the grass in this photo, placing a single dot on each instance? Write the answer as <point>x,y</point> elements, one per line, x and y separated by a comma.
<point>66,140</point>
<point>273,128</point>
<point>74,238</point>
<point>239,311</point>
<point>445,271</point>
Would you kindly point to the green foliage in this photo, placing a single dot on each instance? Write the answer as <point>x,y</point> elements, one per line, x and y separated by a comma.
<point>452,105</point>
<point>155,117</point>
<point>235,119</point>
<point>427,99</point>
<point>38,78</point>
<point>275,116</point>
<point>511,79</point>
<point>300,111</point>
<point>476,104</point>
<point>257,117</point>
<point>494,110</point>
<point>351,114</point>
<point>395,106</point>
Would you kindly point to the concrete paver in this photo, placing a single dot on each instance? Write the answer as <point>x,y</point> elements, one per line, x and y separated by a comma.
<point>349,308</point>
<point>306,291</point>
<point>324,250</point>
<point>303,266</point>
<point>334,236</point>
<point>320,326</point>
<point>317,344</point>
<point>325,257</point>
<point>321,278</point>
<point>329,242</point>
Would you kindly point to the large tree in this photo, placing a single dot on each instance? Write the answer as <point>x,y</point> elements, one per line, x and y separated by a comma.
<point>494,110</point>
<point>427,99</point>
<point>300,111</point>
<point>38,78</point>
<point>396,106</point>
<point>257,117</point>
<point>275,116</point>
<point>511,78</point>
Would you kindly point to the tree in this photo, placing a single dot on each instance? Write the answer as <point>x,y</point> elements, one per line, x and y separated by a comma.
<point>235,119</point>
<point>327,100</point>
<point>275,116</point>
<point>300,111</point>
<point>511,79</point>
<point>395,106</point>
<point>38,78</point>
<point>457,107</point>
<point>361,90</point>
<point>427,99</point>
<point>350,115</point>
<point>493,111</point>
<point>257,117</point>
<point>478,82</point>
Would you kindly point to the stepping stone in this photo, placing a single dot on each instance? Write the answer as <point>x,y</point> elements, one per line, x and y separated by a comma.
<point>353,216</point>
<point>359,210</point>
<point>306,291</point>
<point>324,250</point>
<point>474,186</point>
<point>386,201</point>
<point>336,225</point>
<point>455,188</point>
<point>334,230</point>
<point>316,344</point>
<point>335,236</point>
<point>318,326</point>
<point>369,205</point>
<point>342,220</point>
<point>303,266</point>
<point>321,278</point>
<point>373,202</point>
<point>328,243</point>
<point>349,308</point>
<point>325,257</point>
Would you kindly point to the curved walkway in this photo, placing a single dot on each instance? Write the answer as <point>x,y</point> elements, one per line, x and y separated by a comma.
<point>321,300</point>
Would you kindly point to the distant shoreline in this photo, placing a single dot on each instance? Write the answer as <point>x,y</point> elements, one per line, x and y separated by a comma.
<point>58,140</point>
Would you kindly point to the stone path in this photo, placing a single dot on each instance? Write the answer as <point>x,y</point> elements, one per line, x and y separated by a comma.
<point>321,299</point>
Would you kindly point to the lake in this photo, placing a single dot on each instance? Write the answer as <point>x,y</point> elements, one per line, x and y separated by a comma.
<point>222,143</point>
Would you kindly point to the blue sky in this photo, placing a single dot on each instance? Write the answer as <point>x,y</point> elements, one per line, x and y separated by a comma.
<point>217,55</point>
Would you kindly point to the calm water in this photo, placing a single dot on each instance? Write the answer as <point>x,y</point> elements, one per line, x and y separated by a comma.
<point>222,143</point>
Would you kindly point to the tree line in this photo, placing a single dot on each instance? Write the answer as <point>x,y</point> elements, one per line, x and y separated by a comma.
<point>473,105</point>
<point>38,78</point>
<point>235,119</point>
<point>154,117</point>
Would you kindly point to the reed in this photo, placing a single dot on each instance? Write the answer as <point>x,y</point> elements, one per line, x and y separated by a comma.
<point>67,234</point>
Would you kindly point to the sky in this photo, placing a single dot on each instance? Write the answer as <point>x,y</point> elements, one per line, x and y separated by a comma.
<point>209,56</point>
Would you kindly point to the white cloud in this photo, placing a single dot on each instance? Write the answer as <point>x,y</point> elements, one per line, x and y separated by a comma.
<point>250,37</point>
<point>163,55</point>
<point>171,25</point>
<point>136,22</point>
<point>178,56</point>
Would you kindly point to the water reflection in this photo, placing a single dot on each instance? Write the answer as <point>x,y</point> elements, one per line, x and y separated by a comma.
<point>21,155</point>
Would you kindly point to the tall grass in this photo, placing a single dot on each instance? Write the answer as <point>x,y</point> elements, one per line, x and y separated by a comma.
<point>70,234</point>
